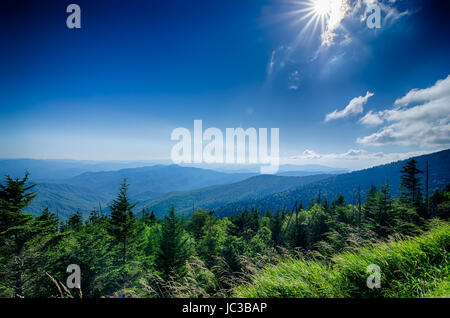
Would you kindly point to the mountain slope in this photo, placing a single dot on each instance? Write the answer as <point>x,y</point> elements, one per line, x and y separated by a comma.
<point>158,179</point>
<point>86,191</point>
<point>64,199</point>
<point>346,184</point>
<point>216,196</point>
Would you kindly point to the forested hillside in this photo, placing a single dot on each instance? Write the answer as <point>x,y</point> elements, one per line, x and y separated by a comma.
<point>347,185</point>
<point>97,189</point>
<point>325,247</point>
<point>215,196</point>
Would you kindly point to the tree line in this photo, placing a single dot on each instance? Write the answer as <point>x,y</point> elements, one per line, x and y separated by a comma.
<point>134,254</point>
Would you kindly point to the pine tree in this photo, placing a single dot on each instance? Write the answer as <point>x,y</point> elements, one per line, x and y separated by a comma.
<point>173,250</point>
<point>75,222</point>
<point>47,223</point>
<point>385,217</point>
<point>371,204</point>
<point>339,201</point>
<point>16,228</point>
<point>15,196</point>
<point>122,225</point>
<point>411,187</point>
<point>276,228</point>
<point>152,218</point>
<point>199,219</point>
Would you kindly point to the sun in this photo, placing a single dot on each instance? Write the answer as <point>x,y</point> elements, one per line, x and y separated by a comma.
<point>322,7</point>
<point>325,15</point>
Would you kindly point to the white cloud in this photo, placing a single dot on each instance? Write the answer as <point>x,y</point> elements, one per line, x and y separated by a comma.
<point>389,12</point>
<point>426,124</point>
<point>438,90</point>
<point>355,107</point>
<point>343,9</point>
<point>307,154</point>
<point>372,119</point>
<point>338,12</point>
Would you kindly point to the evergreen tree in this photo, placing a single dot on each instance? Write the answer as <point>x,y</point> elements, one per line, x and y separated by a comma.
<point>46,223</point>
<point>152,218</point>
<point>15,196</point>
<point>276,228</point>
<point>16,228</point>
<point>339,201</point>
<point>411,186</point>
<point>371,205</point>
<point>173,250</point>
<point>197,223</point>
<point>75,222</point>
<point>384,217</point>
<point>122,224</point>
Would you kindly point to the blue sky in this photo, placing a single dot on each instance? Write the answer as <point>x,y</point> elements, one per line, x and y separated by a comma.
<point>116,88</point>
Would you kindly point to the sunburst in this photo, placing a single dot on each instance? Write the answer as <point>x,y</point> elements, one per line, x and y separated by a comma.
<point>322,7</point>
<point>323,13</point>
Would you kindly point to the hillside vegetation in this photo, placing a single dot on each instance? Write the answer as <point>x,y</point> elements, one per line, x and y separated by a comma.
<point>415,267</point>
<point>347,184</point>
<point>213,197</point>
<point>90,190</point>
<point>319,250</point>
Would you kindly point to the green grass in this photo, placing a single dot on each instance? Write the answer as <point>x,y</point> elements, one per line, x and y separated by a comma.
<point>415,267</point>
<point>442,289</point>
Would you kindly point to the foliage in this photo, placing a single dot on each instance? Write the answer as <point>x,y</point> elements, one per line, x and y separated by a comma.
<point>409,268</point>
<point>319,251</point>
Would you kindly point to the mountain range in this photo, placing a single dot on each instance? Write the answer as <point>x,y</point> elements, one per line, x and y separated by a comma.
<point>347,185</point>
<point>216,196</point>
<point>64,191</point>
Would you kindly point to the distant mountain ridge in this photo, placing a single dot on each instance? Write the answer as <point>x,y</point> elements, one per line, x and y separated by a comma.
<point>219,195</point>
<point>52,169</point>
<point>43,170</point>
<point>157,187</point>
<point>346,184</point>
<point>159,179</point>
<point>91,189</point>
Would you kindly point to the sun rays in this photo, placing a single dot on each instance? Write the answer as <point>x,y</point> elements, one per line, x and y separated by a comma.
<point>324,15</point>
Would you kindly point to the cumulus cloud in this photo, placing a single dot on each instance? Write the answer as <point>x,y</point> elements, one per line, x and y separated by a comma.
<point>438,90</point>
<point>344,9</point>
<point>307,154</point>
<point>338,12</point>
<point>355,107</point>
<point>426,124</point>
<point>372,119</point>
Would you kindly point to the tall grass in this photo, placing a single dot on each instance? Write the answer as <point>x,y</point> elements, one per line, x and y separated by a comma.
<point>414,267</point>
